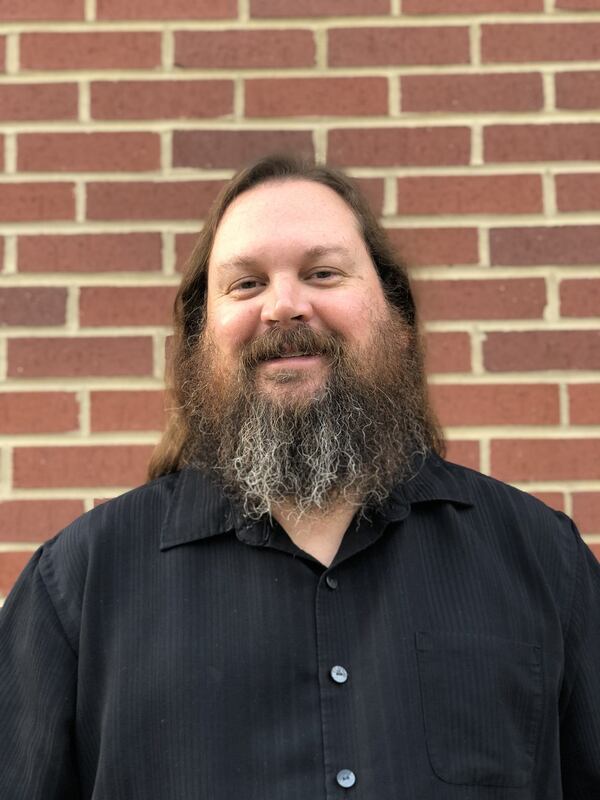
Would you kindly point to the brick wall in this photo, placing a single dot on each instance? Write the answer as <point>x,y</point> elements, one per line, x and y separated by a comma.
<point>474,127</point>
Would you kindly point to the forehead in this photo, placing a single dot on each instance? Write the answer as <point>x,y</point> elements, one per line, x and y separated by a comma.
<point>285,214</point>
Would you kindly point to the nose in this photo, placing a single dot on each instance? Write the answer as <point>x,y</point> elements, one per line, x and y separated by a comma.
<point>286,301</point>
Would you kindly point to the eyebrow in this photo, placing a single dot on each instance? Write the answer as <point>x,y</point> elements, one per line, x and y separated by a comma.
<point>311,254</point>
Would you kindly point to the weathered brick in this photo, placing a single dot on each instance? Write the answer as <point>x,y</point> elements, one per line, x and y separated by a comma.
<point>318,8</point>
<point>11,565</point>
<point>126,305</point>
<point>184,244</point>
<point>577,192</point>
<point>128,410</point>
<point>93,50</point>
<point>432,247</point>
<point>360,47</point>
<point>577,90</point>
<point>36,520</point>
<point>151,199</point>
<point>465,452</point>
<point>541,246</point>
<point>563,41</point>
<point>388,147</point>
<point>38,101</point>
<point>555,500</point>
<point>556,142</point>
<point>449,351</point>
<point>37,202</point>
<point>245,49</point>
<point>88,152</point>
<point>510,298</point>
<point>580,298</point>
<point>2,54</point>
<point>167,9</point>
<point>32,306</point>
<point>497,404</point>
<point>161,99</point>
<point>470,6</point>
<point>523,351</point>
<point>293,97</point>
<point>472,93</point>
<point>586,512</point>
<point>545,459</point>
<point>38,412</point>
<point>81,356</point>
<point>579,5</point>
<point>83,252</point>
<point>214,149</point>
<point>470,194</point>
<point>584,404</point>
<point>42,10</point>
<point>83,466</point>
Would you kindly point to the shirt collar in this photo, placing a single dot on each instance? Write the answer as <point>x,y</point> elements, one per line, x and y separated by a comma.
<point>198,509</point>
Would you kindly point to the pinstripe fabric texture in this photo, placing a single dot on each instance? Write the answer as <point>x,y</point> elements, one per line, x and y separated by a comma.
<point>163,648</point>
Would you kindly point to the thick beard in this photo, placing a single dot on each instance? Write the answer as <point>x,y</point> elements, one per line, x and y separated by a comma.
<point>351,441</point>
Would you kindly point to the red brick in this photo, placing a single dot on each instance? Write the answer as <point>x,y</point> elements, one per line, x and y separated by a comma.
<point>497,404</point>
<point>545,459</point>
<point>562,142</point>
<point>167,9</point>
<point>562,41</point>
<point>577,192</point>
<point>595,549</point>
<point>432,247</point>
<point>162,99</point>
<point>151,199</point>
<point>388,147</point>
<point>88,465</point>
<point>580,298</point>
<point>232,149</point>
<point>449,351</point>
<point>584,404</point>
<point>11,565</point>
<point>126,305</point>
<point>470,194</point>
<point>36,202</point>
<point>524,351</point>
<point>38,101</point>
<point>244,49</point>
<point>360,47</point>
<point>555,500</point>
<point>2,54</point>
<point>88,152</point>
<point>318,8</point>
<point>93,50</point>
<point>78,357</point>
<point>83,252</point>
<point>470,6</point>
<point>184,244</point>
<point>38,412</point>
<point>464,452</point>
<point>33,306</point>
<point>577,90</point>
<point>510,298</point>
<point>128,411</point>
<point>472,93</point>
<point>579,5</point>
<point>293,97</point>
<point>36,520</point>
<point>42,10</point>
<point>586,513</point>
<point>538,246</point>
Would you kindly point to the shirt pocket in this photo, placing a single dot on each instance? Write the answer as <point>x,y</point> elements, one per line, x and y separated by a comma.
<point>482,706</point>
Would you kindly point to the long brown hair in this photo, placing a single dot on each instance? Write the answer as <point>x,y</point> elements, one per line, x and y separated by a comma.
<point>190,302</point>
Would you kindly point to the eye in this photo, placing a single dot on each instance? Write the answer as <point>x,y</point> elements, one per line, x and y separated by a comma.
<point>245,285</point>
<point>323,274</point>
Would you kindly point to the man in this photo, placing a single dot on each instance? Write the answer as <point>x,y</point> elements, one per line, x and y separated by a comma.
<point>306,601</point>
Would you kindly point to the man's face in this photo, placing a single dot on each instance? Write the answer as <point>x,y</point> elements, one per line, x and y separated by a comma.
<point>289,255</point>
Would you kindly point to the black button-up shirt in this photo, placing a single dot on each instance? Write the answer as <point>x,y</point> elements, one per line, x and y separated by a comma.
<point>162,648</point>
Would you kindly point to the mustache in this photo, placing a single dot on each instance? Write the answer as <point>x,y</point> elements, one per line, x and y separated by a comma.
<point>278,342</point>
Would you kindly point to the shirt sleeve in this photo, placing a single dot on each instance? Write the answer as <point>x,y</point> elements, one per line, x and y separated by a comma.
<point>38,668</point>
<point>580,696</point>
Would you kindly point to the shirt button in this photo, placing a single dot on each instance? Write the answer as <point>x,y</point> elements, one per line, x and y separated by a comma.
<point>331,582</point>
<point>346,778</point>
<point>339,674</point>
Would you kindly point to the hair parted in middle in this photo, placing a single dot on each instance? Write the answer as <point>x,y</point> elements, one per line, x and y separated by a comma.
<point>190,301</point>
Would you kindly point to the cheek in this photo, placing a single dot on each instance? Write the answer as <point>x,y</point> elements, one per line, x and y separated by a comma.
<point>233,327</point>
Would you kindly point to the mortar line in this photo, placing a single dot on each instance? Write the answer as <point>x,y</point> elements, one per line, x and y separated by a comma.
<point>10,258</point>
